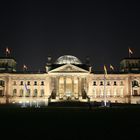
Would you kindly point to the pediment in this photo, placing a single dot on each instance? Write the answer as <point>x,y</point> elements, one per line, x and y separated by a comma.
<point>68,68</point>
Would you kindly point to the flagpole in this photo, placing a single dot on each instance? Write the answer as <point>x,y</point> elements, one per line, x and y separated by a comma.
<point>24,105</point>
<point>129,55</point>
<point>104,90</point>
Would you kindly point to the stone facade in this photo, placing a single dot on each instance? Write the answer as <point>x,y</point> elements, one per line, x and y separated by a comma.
<point>68,80</point>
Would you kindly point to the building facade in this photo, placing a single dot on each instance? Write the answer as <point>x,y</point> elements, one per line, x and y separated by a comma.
<point>71,80</point>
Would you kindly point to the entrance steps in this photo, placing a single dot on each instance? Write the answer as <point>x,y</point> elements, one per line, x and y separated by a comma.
<point>69,104</point>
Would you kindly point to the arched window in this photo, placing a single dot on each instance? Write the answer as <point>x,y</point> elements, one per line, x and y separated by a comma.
<point>28,83</point>
<point>35,93</point>
<point>135,83</point>
<point>42,93</point>
<point>21,93</point>
<point>28,93</point>
<point>14,92</point>
<point>42,83</point>
<point>94,83</point>
<point>2,83</point>
<point>21,83</point>
<point>101,83</point>
<point>121,83</point>
<point>115,83</point>
<point>35,83</point>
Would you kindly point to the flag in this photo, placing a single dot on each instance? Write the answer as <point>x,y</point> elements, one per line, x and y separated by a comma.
<point>130,51</point>
<point>24,67</point>
<point>111,67</point>
<point>7,51</point>
<point>25,86</point>
<point>105,70</point>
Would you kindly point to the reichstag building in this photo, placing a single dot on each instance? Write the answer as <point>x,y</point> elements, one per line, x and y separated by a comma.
<point>68,79</point>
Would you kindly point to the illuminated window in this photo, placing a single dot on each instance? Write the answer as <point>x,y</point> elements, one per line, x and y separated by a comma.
<point>42,92</point>
<point>1,93</point>
<point>28,93</point>
<point>21,93</point>
<point>14,92</point>
<point>35,93</point>
<point>2,83</point>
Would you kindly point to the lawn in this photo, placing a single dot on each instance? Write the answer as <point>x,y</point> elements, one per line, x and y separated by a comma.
<point>72,123</point>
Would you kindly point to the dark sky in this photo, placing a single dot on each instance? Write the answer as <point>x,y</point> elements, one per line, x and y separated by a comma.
<point>103,31</point>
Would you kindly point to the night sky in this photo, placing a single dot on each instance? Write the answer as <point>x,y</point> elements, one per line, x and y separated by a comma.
<point>103,31</point>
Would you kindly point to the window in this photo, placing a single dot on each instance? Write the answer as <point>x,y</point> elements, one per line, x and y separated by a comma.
<point>28,93</point>
<point>2,83</point>
<point>35,93</point>
<point>35,83</point>
<point>21,93</point>
<point>135,83</point>
<point>101,83</point>
<point>115,83</point>
<point>14,92</point>
<point>42,93</point>
<point>108,83</point>
<point>42,83</point>
<point>21,83</point>
<point>135,93</point>
<point>28,83</point>
<point>94,83</point>
<point>1,93</point>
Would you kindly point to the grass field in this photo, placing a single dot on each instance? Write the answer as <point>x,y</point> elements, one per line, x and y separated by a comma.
<point>71,123</point>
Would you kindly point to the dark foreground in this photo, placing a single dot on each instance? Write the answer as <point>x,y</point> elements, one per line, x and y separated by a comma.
<point>70,123</point>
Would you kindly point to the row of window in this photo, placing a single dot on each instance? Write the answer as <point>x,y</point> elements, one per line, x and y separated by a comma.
<point>108,83</point>
<point>109,92</point>
<point>27,93</point>
<point>2,83</point>
<point>29,83</point>
<point>101,96</point>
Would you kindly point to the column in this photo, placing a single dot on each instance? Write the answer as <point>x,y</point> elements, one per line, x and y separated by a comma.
<point>64,85</point>
<point>73,85</point>
<point>57,86</point>
<point>79,86</point>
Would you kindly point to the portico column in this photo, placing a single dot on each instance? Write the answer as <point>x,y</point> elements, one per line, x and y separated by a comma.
<point>79,86</point>
<point>64,85</point>
<point>57,86</point>
<point>73,85</point>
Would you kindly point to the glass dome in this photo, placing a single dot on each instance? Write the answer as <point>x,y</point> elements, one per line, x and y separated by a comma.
<point>68,59</point>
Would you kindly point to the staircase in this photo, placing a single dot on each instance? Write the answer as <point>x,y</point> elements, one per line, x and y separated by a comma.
<point>69,104</point>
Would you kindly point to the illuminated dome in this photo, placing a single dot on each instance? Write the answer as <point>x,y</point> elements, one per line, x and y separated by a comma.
<point>68,59</point>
